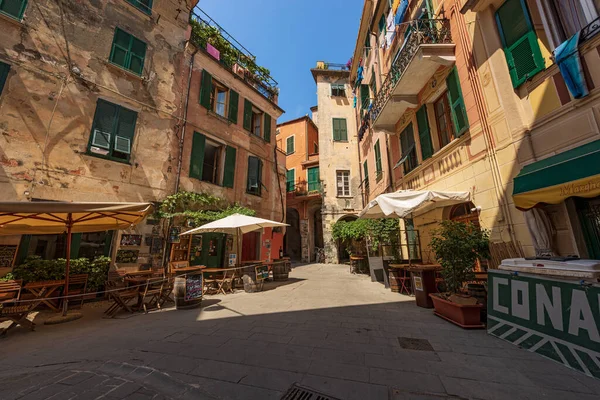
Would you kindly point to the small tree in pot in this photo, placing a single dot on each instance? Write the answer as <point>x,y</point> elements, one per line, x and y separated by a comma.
<point>457,247</point>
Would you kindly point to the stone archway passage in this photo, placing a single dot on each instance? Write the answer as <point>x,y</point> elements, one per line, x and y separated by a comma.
<point>293,240</point>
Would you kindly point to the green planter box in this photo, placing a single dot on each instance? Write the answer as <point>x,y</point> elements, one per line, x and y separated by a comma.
<point>558,319</point>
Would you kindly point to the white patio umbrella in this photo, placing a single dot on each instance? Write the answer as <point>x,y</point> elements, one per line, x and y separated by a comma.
<point>405,203</point>
<point>236,224</point>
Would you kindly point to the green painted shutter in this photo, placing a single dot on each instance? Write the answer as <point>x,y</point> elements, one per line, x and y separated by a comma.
<point>4,69</point>
<point>314,179</point>
<point>290,180</point>
<point>367,44</point>
<point>205,89</point>
<point>23,249</point>
<point>14,8</point>
<point>267,128</point>
<point>343,130</point>
<point>259,177</point>
<point>366,170</point>
<point>229,173</point>
<point>364,96</point>
<point>378,166</point>
<point>457,104</point>
<point>75,244</point>
<point>521,47</point>
<point>336,130</point>
<point>234,100</point>
<point>424,134</point>
<point>289,145</point>
<point>137,55</point>
<point>373,83</point>
<point>197,156</point>
<point>247,115</point>
<point>104,125</point>
<point>382,24</point>
<point>123,140</point>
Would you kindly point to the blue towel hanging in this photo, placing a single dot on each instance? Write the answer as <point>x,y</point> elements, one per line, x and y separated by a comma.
<point>566,56</point>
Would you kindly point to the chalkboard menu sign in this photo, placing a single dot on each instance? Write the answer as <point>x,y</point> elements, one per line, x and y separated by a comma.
<point>262,273</point>
<point>193,287</point>
<point>174,234</point>
<point>7,255</point>
<point>131,240</point>
<point>127,256</point>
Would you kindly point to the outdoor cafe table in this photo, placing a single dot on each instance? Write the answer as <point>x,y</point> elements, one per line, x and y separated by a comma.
<point>43,291</point>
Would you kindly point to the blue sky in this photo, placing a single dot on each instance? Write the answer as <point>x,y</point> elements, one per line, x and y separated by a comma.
<point>289,37</point>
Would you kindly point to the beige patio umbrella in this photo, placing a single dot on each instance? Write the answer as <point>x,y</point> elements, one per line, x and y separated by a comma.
<point>236,224</point>
<point>47,217</point>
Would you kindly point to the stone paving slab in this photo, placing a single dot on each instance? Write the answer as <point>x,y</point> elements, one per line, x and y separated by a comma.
<point>328,330</point>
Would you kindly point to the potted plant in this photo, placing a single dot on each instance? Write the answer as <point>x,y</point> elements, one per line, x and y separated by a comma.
<point>457,247</point>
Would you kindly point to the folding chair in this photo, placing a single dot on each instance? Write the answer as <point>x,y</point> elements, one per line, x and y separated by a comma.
<point>17,315</point>
<point>152,291</point>
<point>10,291</point>
<point>226,283</point>
<point>77,286</point>
<point>168,286</point>
<point>120,297</point>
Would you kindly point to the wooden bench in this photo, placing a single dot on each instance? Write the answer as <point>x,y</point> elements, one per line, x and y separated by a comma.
<point>10,291</point>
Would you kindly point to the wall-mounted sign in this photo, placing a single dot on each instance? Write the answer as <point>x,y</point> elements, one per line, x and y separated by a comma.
<point>131,240</point>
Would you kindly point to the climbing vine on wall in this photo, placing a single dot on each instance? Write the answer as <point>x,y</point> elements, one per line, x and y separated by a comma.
<point>378,231</point>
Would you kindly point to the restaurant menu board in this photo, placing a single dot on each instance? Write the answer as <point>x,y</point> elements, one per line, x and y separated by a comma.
<point>131,240</point>
<point>193,287</point>
<point>127,256</point>
<point>262,273</point>
<point>7,255</point>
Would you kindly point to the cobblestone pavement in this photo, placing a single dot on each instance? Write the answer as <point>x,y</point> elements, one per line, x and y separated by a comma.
<point>325,329</point>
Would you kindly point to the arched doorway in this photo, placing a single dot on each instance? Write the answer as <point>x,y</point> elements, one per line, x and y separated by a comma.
<point>462,213</point>
<point>343,255</point>
<point>293,241</point>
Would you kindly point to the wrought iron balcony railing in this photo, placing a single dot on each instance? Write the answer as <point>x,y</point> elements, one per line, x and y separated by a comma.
<point>418,32</point>
<point>590,30</point>
<point>304,188</point>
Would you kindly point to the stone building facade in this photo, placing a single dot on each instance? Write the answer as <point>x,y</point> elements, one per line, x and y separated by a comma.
<point>338,152</point>
<point>436,86</point>
<point>299,139</point>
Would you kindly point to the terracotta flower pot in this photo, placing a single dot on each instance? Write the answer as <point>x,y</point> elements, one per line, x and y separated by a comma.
<point>465,316</point>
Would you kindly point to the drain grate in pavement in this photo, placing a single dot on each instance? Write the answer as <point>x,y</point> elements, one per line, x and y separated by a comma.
<point>297,392</point>
<point>415,344</point>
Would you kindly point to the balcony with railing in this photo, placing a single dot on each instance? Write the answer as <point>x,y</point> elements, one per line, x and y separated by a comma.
<point>304,188</point>
<point>232,55</point>
<point>427,45</point>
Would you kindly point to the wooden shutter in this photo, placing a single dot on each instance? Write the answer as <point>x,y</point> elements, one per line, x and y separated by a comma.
<point>336,130</point>
<point>104,125</point>
<point>366,171</point>
<point>364,96</point>
<point>4,69</point>
<point>382,24</point>
<point>289,145</point>
<point>267,128</point>
<point>424,133</point>
<point>313,179</point>
<point>123,139</point>
<point>343,130</point>
<point>229,172</point>
<point>137,55</point>
<point>14,8</point>
<point>234,100</point>
<point>259,176</point>
<point>378,166</point>
<point>290,180</point>
<point>457,104</point>
<point>197,156</point>
<point>247,115</point>
<point>205,89</point>
<point>521,47</point>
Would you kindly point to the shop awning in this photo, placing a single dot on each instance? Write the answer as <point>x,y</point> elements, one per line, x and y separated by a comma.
<point>406,203</point>
<point>573,173</point>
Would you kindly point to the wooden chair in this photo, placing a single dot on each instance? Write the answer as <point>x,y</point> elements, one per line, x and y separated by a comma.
<point>226,283</point>
<point>120,297</point>
<point>168,287</point>
<point>152,292</point>
<point>17,315</point>
<point>77,287</point>
<point>210,283</point>
<point>10,291</point>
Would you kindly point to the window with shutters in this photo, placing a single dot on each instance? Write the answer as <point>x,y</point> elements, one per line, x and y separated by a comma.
<point>367,45</point>
<point>128,52</point>
<point>290,145</point>
<point>378,163</point>
<point>143,5</point>
<point>521,48</point>
<point>112,132</point>
<point>338,90</point>
<point>409,152</point>
<point>373,84</point>
<point>257,120</point>
<point>314,179</point>
<point>290,180</point>
<point>366,172</point>
<point>254,183</point>
<point>4,70</point>
<point>211,161</point>
<point>13,8</point>
<point>567,17</point>
<point>457,103</point>
<point>424,133</point>
<point>443,119</point>
<point>218,98</point>
<point>340,130</point>
<point>343,183</point>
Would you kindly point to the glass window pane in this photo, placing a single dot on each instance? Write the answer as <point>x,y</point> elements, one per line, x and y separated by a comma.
<point>127,120</point>
<point>138,47</point>
<point>513,21</point>
<point>122,38</point>
<point>136,65</point>
<point>119,56</point>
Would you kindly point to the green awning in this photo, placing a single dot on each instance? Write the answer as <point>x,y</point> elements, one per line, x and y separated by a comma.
<point>575,172</point>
